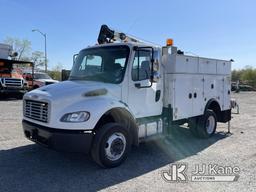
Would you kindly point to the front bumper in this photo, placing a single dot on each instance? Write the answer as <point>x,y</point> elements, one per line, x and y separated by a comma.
<point>59,139</point>
<point>8,90</point>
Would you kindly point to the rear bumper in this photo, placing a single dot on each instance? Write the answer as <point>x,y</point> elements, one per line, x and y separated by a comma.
<point>58,139</point>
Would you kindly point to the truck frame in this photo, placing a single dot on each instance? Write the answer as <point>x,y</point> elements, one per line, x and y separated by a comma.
<point>124,91</point>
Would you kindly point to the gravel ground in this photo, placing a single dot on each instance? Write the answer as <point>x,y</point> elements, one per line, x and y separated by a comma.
<point>25,166</point>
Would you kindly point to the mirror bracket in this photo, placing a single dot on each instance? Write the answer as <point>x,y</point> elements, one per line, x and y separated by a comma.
<point>74,58</point>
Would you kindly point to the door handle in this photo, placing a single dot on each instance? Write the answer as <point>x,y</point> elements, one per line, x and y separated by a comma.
<point>138,85</point>
<point>158,95</point>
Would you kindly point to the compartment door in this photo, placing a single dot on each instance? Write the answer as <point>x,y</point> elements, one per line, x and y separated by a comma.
<point>220,91</point>
<point>183,97</point>
<point>226,93</point>
<point>198,98</point>
<point>213,89</point>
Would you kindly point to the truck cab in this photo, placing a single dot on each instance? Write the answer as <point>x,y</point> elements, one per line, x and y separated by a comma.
<point>121,93</point>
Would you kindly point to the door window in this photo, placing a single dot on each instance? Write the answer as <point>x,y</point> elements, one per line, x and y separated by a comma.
<point>141,65</point>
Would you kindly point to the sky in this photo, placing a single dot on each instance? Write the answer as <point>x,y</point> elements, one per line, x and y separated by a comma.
<point>224,29</point>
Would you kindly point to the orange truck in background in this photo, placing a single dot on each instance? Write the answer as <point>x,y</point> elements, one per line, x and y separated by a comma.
<point>11,79</point>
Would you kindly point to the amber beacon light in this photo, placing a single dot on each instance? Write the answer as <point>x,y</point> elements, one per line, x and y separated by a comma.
<point>169,42</point>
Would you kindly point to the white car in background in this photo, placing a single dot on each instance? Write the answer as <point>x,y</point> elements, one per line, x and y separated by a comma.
<point>42,79</point>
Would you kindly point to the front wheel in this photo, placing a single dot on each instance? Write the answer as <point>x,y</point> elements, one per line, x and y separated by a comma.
<point>111,145</point>
<point>19,96</point>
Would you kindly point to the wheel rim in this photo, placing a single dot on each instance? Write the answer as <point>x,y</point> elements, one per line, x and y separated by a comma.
<point>115,146</point>
<point>210,124</point>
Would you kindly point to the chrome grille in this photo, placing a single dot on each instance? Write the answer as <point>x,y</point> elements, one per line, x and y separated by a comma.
<point>36,110</point>
<point>11,82</point>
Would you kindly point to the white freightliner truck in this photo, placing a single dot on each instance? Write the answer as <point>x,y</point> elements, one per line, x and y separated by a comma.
<point>124,91</point>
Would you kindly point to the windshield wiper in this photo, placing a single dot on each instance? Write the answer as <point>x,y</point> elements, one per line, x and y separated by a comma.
<point>89,78</point>
<point>76,77</point>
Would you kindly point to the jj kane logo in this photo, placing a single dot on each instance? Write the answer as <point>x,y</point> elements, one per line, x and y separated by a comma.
<point>201,173</point>
<point>176,173</point>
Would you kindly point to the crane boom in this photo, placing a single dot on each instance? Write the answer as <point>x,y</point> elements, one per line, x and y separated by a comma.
<point>108,35</point>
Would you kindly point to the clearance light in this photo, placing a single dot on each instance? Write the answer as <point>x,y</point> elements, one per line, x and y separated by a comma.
<point>169,42</point>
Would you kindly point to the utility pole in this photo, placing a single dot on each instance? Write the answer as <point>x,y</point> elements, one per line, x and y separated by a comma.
<point>45,47</point>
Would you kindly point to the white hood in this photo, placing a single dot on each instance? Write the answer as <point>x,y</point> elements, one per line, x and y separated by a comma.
<point>70,96</point>
<point>74,90</point>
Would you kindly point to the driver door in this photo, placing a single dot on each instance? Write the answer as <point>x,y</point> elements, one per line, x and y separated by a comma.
<point>143,100</point>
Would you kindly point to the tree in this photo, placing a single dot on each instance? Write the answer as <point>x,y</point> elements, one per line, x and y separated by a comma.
<point>37,58</point>
<point>236,75</point>
<point>55,73</point>
<point>246,75</point>
<point>21,46</point>
<point>249,76</point>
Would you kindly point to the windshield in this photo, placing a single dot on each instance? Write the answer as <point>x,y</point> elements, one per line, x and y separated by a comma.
<point>103,64</point>
<point>41,76</point>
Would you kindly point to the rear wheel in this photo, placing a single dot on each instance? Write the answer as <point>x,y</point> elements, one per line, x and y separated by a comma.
<point>203,126</point>
<point>207,124</point>
<point>111,145</point>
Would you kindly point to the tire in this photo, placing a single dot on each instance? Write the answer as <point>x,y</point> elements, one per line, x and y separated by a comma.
<point>19,96</point>
<point>2,96</point>
<point>35,87</point>
<point>207,124</point>
<point>110,137</point>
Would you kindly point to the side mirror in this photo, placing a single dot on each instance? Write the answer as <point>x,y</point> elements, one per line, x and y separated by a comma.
<point>74,58</point>
<point>156,74</point>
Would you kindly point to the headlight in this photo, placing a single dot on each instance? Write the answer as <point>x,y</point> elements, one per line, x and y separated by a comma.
<point>76,117</point>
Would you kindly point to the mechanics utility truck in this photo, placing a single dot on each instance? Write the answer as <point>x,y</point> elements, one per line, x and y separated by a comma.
<point>11,80</point>
<point>123,91</point>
